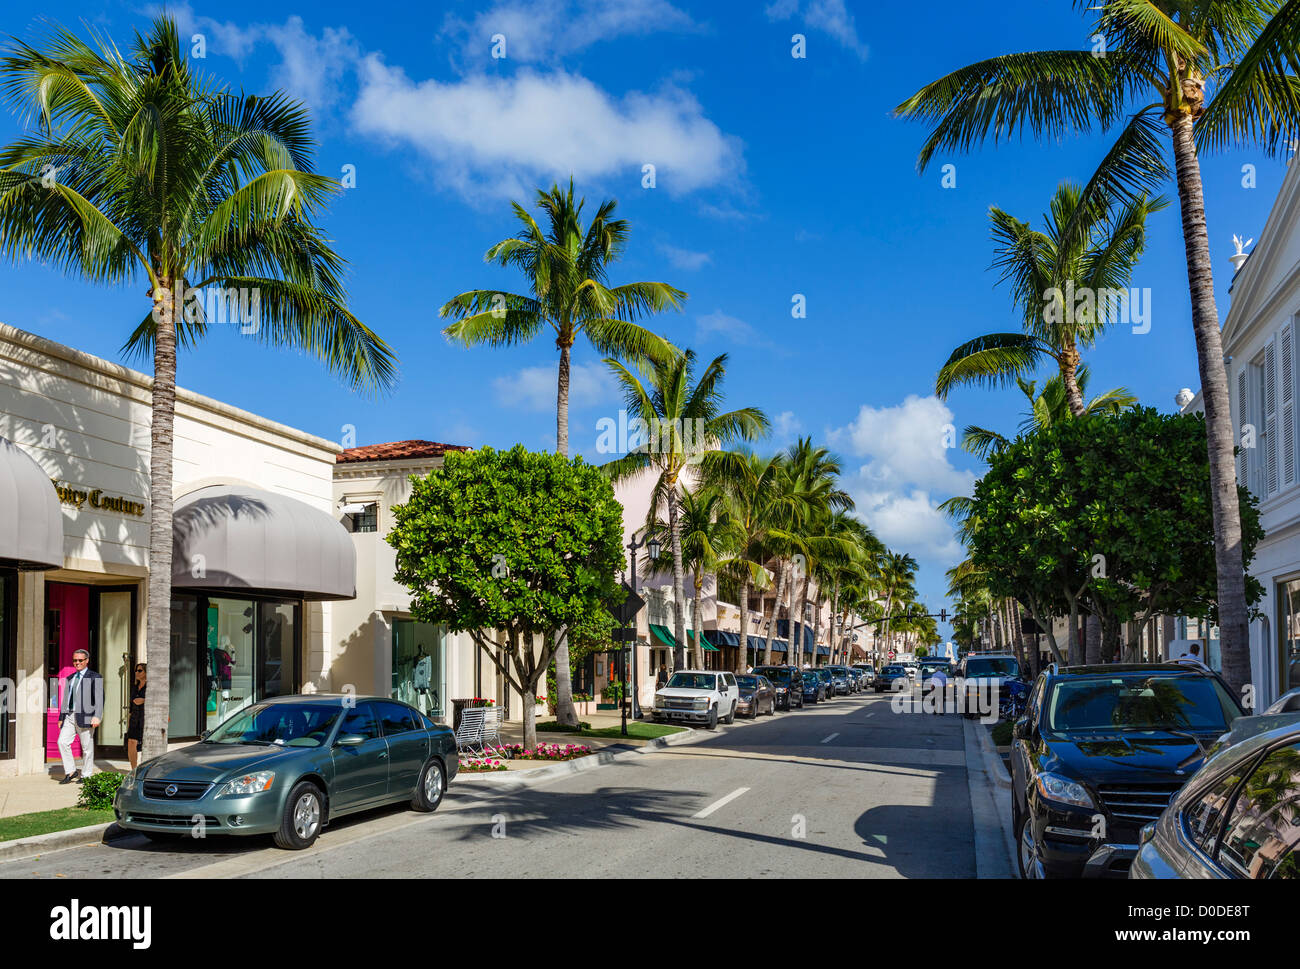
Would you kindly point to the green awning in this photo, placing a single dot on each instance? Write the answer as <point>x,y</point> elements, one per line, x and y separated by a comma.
<point>663,635</point>
<point>693,636</point>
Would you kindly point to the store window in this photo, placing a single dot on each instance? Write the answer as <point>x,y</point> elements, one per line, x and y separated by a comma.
<point>365,519</point>
<point>1288,633</point>
<point>419,665</point>
<point>227,654</point>
<point>8,647</point>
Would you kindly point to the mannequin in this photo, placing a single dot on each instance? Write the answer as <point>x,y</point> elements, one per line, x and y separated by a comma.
<point>223,662</point>
<point>423,676</point>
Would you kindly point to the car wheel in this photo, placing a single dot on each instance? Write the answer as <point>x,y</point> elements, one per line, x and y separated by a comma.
<point>713,718</point>
<point>730,717</point>
<point>432,785</point>
<point>303,812</point>
<point>1027,851</point>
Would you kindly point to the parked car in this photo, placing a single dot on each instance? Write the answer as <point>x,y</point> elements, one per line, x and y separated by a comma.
<point>839,677</point>
<point>756,694</point>
<point>290,766</point>
<point>867,674</point>
<point>814,687</point>
<point>984,676</point>
<point>788,683</point>
<point>1100,753</point>
<point>1236,817</point>
<point>699,696</point>
<point>827,678</point>
<point>889,675</point>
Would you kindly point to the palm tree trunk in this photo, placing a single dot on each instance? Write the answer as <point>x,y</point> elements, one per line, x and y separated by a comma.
<point>679,583</point>
<point>565,711</point>
<point>742,654</point>
<point>697,647</point>
<point>803,602</point>
<point>835,605</point>
<point>771,626</point>
<point>157,703</point>
<point>1070,378</point>
<point>1234,632</point>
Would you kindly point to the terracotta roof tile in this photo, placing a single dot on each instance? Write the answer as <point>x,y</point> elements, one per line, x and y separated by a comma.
<point>396,451</point>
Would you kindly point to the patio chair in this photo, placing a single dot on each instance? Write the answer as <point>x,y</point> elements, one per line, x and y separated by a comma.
<point>492,717</point>
<point>470,733</point>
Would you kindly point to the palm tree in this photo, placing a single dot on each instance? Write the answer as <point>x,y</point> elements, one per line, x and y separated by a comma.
<point>1046,407</point>
<point>143,169</point>
<point>897,573</point>
<point>686,427</point>
<point>711,540</point>
<point>567,268</point>
<point>1160,51</point>
<point>1089,247</point>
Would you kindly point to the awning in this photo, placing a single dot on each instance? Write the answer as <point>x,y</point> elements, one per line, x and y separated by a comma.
<point>720,637</point>
<point>31,520</point>
<point>243,539</point>
<point>760,643</point>
<point>692,636</point>
<point>663,635</point>
<point>783,629</point>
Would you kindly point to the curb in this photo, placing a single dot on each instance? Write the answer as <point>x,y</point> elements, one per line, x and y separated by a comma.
<point>18,849</point>
<point>992,762</point>
<point>518,779</point>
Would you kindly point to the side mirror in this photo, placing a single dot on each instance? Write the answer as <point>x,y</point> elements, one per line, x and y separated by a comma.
<point>1021,729</point>
<point>351,740</point>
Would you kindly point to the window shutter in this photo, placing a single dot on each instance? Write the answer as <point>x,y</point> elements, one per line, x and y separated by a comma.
<point>1270,419</point>
<point>1287,340</point>
<point>1243,418</point>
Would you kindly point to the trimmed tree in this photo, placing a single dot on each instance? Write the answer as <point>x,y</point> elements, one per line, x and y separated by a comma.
<point>515,548</point>
<point>1107,515</point>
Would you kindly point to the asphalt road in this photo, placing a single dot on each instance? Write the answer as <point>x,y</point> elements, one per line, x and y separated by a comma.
<point>846,788</point>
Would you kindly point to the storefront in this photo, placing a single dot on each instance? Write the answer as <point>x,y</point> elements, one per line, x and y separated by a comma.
<point>419,663</point>
<point>257,552</point>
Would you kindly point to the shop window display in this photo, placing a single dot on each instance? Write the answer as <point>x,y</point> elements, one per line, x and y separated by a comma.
<point>419,651</point>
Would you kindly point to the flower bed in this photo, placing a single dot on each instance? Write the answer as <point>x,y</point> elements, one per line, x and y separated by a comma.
<point>481,764</point>
<point>548,751</point>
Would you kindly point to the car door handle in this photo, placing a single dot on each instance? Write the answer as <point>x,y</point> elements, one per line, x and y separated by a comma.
<point>384,756</point>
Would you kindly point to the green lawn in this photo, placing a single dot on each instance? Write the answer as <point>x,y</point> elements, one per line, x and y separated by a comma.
<point>642,731</point>
<point>43,822</point>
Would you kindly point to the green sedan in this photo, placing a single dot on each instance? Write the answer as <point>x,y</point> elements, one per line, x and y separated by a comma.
<point>288,766</point>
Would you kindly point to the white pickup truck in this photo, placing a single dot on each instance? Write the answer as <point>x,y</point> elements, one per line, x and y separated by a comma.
<point>700,696</point>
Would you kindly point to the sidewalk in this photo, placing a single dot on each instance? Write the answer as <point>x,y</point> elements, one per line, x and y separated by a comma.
<point>43,792</point>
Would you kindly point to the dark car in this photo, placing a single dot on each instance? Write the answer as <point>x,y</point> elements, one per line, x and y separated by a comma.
<point>756,695</point>
<point>984,678</point>
<point>889,675</point>
<point>845,682</point>
<point>1236,817</point>
<point>827,678</point>
<point>782,679</point>
<point>288,767</point>
<point>1099,754</point>
<point>814,687</point>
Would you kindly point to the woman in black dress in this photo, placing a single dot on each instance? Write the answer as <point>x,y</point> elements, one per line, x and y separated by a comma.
<point>135,720</point>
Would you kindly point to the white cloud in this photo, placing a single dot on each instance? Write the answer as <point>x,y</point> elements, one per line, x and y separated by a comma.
<point>534,388</point>
<point>496,136</point>
<point>904,475</point>
<point>828,16</point>
<point>685,258</point>
<point>785,426</point>
<point>545,30</point>
<point>728,328</point>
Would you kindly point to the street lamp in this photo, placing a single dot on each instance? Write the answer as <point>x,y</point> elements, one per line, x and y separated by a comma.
<point>652,548</point>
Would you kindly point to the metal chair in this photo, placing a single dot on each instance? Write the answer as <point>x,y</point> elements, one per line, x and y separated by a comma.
<point>492,718</point>
<point>470,733</point>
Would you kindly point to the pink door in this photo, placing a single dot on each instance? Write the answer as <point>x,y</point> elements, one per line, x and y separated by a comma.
<point>67,630</point>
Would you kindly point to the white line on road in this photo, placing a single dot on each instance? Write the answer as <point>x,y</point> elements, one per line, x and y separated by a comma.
<point>720,803</point>
<point>830,738</point>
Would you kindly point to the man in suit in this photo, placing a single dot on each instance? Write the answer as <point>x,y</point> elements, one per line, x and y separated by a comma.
<point>79,716</point>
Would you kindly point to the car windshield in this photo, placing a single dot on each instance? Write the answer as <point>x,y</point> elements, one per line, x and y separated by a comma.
<point>776,676</point>
<point>1142,702</point>
<point>279,725</point>
<point>894,669</point>
<point>992,666</point>
<point>692,681</point>
<point>747,682</point>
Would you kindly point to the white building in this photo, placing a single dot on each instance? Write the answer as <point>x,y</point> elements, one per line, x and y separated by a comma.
<point>1260,345</point>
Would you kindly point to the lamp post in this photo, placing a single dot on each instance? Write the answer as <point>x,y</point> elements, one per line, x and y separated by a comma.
<point>652,548</point>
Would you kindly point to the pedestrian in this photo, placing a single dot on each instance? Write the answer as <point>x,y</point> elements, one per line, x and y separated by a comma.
<point>79,717</point>
<point>661,679</point>
<point>939,689</point>
<point>135,719</point>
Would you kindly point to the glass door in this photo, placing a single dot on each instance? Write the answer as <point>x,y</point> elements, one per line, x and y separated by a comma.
<point>230,658</point>
<point>8,647</point>
<point>116,662</point>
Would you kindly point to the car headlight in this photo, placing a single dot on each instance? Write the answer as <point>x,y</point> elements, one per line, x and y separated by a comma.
<point>701,703</point>
<point>781,689</point>
<point>1054,787</point>
<point>248,784</point>
<point>131,779</point>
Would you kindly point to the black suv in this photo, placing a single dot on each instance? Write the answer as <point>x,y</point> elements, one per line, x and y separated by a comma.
<point>788,681</point>
<point>1098,755</point>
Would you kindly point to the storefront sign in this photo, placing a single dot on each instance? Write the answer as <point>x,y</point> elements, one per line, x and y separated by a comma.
<point>98,500</point>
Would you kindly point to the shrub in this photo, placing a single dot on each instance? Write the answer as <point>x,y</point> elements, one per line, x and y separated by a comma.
<point>99,789</point>
<point>1002,733</point>
<point>556,725</point>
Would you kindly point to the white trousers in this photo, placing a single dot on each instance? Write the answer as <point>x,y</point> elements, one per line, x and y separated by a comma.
<point>87,737</point>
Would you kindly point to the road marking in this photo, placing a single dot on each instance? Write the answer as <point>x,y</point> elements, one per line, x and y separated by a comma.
<point>830,738</point>
<point>723,802</point>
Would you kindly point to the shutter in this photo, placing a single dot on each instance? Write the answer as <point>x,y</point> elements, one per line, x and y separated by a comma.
<point>1287,430</point>
<point>1243,418</point>
<point>1270,420</point>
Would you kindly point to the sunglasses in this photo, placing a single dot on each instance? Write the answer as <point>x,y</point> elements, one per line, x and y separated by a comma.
<point>139,669</point>
<point>81,661</point>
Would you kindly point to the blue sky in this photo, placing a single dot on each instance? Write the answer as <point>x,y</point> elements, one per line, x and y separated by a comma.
<point>774,176</point>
